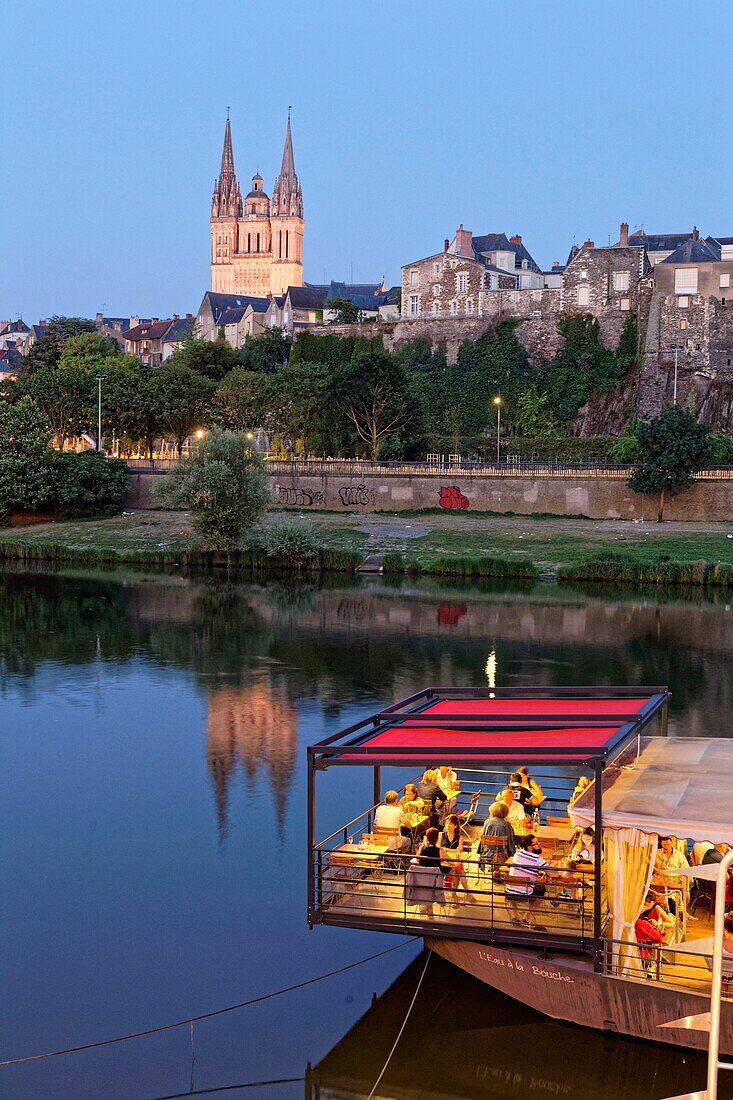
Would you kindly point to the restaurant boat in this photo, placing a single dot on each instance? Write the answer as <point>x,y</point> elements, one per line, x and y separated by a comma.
<point>572,952</point>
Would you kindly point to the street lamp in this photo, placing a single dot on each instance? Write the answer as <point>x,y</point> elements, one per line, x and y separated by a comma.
<point>100,379</point>
<point>498,402</point>
<point>675,348</point>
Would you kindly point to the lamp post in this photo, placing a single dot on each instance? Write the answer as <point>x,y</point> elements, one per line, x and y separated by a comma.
<point>497,401</point>
<point>676,348</point>
<point>100,380</point>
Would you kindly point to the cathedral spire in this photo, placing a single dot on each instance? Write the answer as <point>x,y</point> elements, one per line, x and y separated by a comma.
<point>287,198</point>
<point>227,198</point>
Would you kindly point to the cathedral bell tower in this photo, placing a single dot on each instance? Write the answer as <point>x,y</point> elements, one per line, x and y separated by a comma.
<point>226,208</point>
<point>286,223</point>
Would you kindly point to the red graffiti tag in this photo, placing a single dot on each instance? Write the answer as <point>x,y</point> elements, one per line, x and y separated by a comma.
<point>452,498</point>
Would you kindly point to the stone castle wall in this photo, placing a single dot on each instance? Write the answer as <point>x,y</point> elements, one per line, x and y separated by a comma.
<point>594,497</point>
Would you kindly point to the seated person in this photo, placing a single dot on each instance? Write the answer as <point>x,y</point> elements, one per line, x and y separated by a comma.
<point>431,793</point>
<point>649,938</point>
<point>391,816</point>
<point>452,841</point>
<point>714,854</point>
<point>429,854</point>
<point>669,858</point>
<point>411,801</point>
<point>538,795</point>
<point>516,815</point>
<point>522,885</point>
<point>657,915</point>
<point>584,851</point>
<point>522,793</point>
<point>582,785</point>
<point>447,779</point>
<point>497,825</point>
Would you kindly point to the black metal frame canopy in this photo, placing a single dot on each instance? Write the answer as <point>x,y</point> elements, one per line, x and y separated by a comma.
<point>503,735</point>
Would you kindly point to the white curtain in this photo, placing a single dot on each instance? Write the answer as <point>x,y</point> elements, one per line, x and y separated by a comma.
<point>630,857</point>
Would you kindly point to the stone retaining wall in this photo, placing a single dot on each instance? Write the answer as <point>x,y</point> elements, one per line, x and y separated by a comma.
<point>596,498</point>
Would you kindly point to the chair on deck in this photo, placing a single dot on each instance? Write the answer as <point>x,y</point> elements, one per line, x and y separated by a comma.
<point>465,817</point>
<point>492,853</point>
<point>391,861</point>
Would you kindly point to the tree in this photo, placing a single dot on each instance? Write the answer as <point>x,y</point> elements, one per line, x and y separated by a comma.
<point>534,418</point>
<point>225,487</point>
<point>672,448</point>
<point>265,351</point>
<point>88,484</point>
<point>65,396</point>
<point>26,457</point>
<point>183,398</point>
<point>346,312</point>
<point>242,400</point>
<point>211,358</point>
<point>300,406</point>
<point>372,393</point>
<point>46,352</point>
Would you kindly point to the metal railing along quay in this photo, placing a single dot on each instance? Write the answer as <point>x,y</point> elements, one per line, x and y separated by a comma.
<point>361,468</point>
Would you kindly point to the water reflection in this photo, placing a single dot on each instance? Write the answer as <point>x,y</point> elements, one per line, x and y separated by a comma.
<point>152,801</point>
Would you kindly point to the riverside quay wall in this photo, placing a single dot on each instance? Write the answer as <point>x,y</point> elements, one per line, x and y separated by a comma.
<point>594,494</point>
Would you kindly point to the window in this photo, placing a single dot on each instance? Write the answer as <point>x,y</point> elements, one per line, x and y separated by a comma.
<point>461,283</point>
<point>621,281</point>
<point>414,305</point>
<point>413,278</point>
<point>436,308</point>
<point>682,303</point>
<point>625,303</point>
<point>469,305</point>
<point>584,273</point>
<point>525,265</point>
<point>453,308</point>
<point>683,322</point>
<point>436,290</point>
<point>436,269</point>
<point>583,296</point>
<point>685,280</point>
<point>724,281</point>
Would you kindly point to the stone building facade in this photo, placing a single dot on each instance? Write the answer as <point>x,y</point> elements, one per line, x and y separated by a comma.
<point>256,245</point>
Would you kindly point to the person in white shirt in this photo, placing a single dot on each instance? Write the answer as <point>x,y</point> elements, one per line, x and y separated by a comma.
<point>447,779</point>
<point>390,815</point>
<point>516,816</point>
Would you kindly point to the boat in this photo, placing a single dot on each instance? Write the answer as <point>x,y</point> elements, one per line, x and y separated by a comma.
<point>571,952</point>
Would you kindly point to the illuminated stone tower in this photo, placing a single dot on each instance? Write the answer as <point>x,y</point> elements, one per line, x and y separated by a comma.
<point>255,251</point>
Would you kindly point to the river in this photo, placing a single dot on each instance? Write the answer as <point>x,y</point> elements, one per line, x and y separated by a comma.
<point>152,815</point>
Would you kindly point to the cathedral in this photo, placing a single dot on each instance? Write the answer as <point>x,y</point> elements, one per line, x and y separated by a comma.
<point>256,243</point>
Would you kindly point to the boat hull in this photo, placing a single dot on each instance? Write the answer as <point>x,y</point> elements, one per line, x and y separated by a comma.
<point>565,987</point>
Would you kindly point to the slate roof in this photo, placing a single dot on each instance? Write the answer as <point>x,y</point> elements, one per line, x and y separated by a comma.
<point>657,242</point>
<point>308,297</point>
<point>232,316</point>
<point>392,296</point>
<point>10,359</point>
<point>153,331</point>
<point>721,240</point>
<point>39,331</point>
<point>697,252</point>
<point>179,330</point>
<point>499,242</point>
<point>15,326</point>
<point>221,302</point>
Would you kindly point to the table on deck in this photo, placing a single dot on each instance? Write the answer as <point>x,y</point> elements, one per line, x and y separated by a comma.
<point>556,832</point>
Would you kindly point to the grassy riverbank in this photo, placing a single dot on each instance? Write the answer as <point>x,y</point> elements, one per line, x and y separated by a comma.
<point>447,544</point>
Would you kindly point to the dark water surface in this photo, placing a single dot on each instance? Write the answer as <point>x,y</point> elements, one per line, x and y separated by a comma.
<point>152,816</point>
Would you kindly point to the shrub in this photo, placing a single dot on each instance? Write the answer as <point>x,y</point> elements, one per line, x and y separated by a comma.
<point>223,485</point>
<point>393,562</point>
<point>26,458</point>
<point>293,542</point>
<point>88,484</point>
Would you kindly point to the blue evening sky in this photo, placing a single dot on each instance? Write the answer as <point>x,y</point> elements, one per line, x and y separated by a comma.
<point>552,120</point>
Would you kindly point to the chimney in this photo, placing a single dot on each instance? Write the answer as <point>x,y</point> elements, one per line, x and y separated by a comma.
<point>189,316</point>
<point>623,235</point>
<point>154,320</point>
<point>99,319</point>
<point>446,244</point>
<point>589,244</point>
<point>176,317</point>
<point>134,321</point>
<point>555,265</point>
<point>516,239</point>
<point>695,233</point>
<point>463,241</point>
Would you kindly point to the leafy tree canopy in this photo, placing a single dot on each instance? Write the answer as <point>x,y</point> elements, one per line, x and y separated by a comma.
<point>211,358</point>
<point>58,330</point>
<point>346,313</point>
<point>673,447</point>
<point>225,487</point>
<point>243,400</point>
<point>372,393</point>
<point>26,457</point>
<point>265,351</point>
<point>183,396</point>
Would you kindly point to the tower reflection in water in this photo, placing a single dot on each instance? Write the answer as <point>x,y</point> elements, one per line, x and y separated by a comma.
<point>253,728</point>
<point>464,1040</point>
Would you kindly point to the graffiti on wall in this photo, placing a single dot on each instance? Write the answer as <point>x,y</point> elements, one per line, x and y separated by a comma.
<point>452,497</point>
<point>356,494</point>
<point>298,498</point>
